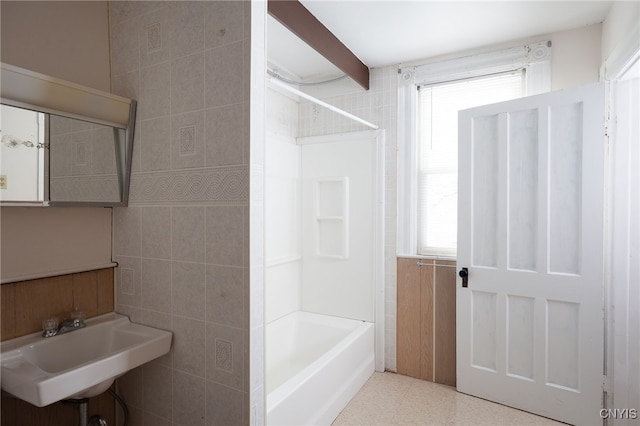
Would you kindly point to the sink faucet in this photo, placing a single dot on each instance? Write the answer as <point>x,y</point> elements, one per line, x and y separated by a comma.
<point>51,328</point>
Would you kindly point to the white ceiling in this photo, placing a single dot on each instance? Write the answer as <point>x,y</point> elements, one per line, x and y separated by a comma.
<point>385,32</point>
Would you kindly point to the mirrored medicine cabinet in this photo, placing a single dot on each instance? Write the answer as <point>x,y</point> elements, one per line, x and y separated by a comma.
<point>62,144</point>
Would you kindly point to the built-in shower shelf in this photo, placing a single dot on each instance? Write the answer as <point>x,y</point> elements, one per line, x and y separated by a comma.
<point>332,217</point>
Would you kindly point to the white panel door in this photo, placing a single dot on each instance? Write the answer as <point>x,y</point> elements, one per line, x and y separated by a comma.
<point>339,199</point>
<point>530,218</point>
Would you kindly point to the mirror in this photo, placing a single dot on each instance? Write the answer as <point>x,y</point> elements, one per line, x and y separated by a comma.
<point>61,143</point>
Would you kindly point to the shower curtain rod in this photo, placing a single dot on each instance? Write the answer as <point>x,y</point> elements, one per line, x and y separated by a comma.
<point>295,91</point>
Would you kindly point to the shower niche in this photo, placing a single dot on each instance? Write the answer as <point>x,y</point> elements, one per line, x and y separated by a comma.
<point>332,217</point>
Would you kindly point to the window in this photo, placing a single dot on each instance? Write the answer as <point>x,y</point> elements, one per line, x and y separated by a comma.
<point>429,97</point>
<point>438,107</point>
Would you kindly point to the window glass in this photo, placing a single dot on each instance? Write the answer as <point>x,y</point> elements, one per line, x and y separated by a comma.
<point>438,152</point>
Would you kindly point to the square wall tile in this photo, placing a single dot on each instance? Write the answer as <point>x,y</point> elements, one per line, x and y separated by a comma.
<point>134,313</point>
<point>150,419</point>
<point>226,137</point>
<point>127,84</point>
<point>225,355</point>
<point>155,83</point>
<point>189,346</point>
<point>225,235</point>
<point>224,75</point>
<point>127,281</point>
<point>187,140</point>
<point>126,238</point>
<point>225,295</point>
<point>187,27</point>
<point>223,22</point>
<point>156,232</point>
<point>124,47</point>
<point>120,11</point>
<point>188,289</point>
<point>155,144</point>
<point>154,37</point>
<point>189,399</point>
<point>157,390</point>
<point>156,285</point>
<point>188,233</point>
<point>224,405</point>
<point>187,83</point>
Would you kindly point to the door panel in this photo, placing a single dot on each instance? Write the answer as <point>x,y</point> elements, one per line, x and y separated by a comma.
<point>530,230</point>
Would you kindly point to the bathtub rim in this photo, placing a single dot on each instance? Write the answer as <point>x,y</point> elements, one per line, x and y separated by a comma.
<point>277,395</point>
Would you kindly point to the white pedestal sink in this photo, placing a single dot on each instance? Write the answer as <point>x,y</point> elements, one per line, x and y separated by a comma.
<point>79,364</point>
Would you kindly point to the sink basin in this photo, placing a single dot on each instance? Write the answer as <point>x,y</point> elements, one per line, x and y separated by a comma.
<point>79,364</point>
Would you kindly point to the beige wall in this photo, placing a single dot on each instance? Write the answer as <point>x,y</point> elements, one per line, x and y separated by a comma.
<point>623,17</point>
<point>575,60</point>
<point>575,57</point>
<point>38,242</point>
<point>68,40</point>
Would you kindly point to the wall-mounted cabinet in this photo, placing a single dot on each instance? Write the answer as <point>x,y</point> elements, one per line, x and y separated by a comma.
<point>426,321</point>
<point>62,143</point>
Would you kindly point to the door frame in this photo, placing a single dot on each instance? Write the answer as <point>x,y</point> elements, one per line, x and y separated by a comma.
<point>622,335</point>
<point>622,303</point>
<point>378,137</point>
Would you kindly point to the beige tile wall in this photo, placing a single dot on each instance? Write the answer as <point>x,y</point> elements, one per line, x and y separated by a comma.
<point>182,244</point>
<point>24,305</point>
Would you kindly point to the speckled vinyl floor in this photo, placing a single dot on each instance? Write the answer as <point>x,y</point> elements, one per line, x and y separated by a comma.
<point>392,399</point>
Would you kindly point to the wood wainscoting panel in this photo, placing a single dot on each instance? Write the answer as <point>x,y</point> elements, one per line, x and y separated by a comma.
<point>40,299</point>
<point>85,292</point>
<point>426,319</point>
<point>8,316</point>
<point>408,321</point>
<point>445,324</point>
<point>105,289</point>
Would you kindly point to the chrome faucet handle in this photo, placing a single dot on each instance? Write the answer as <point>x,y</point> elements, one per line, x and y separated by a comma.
<point>49,327</point>
<point>77,318</point>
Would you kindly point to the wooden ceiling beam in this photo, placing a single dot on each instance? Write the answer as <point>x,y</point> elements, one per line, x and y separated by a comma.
<point>294,16</point>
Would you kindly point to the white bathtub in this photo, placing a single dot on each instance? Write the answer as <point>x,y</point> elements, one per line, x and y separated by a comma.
<point>315,364</point>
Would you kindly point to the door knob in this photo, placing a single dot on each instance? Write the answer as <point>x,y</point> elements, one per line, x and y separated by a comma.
<point>464,274</point>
